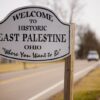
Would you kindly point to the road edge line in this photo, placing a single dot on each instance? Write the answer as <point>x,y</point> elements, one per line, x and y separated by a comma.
<point>61,82</point>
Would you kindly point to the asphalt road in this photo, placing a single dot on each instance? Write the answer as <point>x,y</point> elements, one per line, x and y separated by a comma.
<point>36,84</point>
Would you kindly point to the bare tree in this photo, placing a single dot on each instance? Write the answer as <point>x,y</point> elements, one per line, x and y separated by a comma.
<point>59,9</point>
<point>75,8</point>
<point>88,41</point>
<point>55,5</point>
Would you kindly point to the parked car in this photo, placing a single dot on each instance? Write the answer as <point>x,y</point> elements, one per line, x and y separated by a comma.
<point>93,55</point>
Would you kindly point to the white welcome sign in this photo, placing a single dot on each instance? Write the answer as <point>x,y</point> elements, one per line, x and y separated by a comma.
<point>34,34</point>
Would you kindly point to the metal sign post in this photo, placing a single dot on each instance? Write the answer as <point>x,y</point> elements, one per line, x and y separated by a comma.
<point>69,63</point>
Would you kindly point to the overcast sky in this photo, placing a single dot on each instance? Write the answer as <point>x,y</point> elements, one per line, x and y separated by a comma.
<point>90,14</point>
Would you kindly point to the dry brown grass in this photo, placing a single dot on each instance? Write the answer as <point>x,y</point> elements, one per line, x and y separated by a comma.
<point>86,89</point>
<point>28,65</point>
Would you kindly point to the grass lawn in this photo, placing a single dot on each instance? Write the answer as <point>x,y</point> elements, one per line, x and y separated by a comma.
<point>86,89</point>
